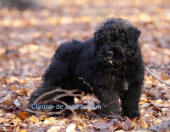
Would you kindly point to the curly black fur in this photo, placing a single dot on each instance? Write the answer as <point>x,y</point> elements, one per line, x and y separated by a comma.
<point>110,61</point>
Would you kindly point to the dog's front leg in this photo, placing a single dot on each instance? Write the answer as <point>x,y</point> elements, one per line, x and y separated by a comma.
<point>109,101</point>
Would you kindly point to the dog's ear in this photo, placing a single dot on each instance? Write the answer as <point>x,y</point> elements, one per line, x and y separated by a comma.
<point>98,39</point>
<point>133,33</point>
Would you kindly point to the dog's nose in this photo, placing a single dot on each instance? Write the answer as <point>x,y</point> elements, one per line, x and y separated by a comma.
<point>109,54</point>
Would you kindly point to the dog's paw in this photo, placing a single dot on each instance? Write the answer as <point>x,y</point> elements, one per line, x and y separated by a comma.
<point>132,114</point>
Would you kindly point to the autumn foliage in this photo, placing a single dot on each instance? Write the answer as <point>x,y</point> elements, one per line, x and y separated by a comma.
<point>29,38</point>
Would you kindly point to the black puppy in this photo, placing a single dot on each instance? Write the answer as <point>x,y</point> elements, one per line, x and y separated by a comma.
<point>110,62</point>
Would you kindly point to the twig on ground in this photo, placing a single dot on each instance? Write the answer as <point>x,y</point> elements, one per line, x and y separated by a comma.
<point>157,78</point>
<point>53,91</point>
<point>63,92</point>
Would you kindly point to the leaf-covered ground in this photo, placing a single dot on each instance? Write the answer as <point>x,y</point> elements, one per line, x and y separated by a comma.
<point>29,38</point>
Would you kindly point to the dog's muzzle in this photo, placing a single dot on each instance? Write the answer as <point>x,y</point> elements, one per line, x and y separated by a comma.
<point>109,56</point>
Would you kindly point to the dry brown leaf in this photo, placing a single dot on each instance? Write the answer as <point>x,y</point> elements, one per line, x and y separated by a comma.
<point>157,121</point>
<point>23,115</point>
<point>8,100</point>
<point>142,123</point>
<point>42,117</point>
<point>21,91</point>
<point>16,121</point>
<point>164,76</point>
<point>23,130</point>
<point>13,87</point>
<point>71,128</point>
<point>156,108</point>
<point>54,129</point>
<point>102,124</point>
<point>33,119</point>
<point>3,120</point>
<point>50,121</point>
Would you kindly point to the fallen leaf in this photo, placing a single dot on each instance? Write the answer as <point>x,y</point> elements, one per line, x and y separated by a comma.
<point>71,128</point>
<point>33,119</point>
<point>54,129</point>
<point>23,115</point>
<point>23,130</point>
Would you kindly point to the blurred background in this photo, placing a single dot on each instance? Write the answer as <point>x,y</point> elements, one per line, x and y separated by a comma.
<point>31,30</point>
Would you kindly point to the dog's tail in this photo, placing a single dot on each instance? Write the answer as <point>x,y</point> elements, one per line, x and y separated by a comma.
<point>110,29</point>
